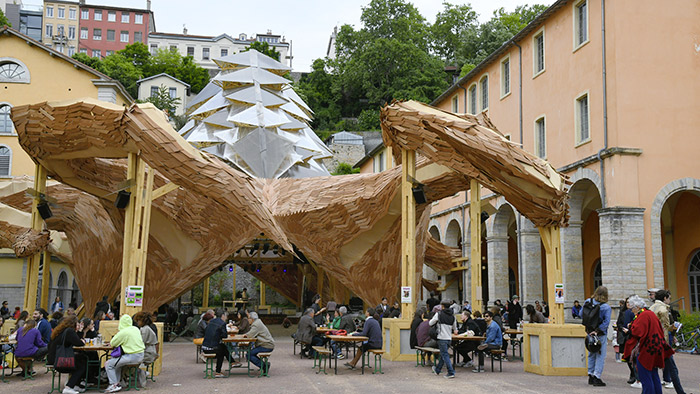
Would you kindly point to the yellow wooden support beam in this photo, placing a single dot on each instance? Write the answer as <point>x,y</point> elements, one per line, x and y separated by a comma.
<point>408,230</point>
<point>234,282</point>
<point>460,268</point>
<point>163,190</point>
<point>263,302</point>
<point>32,275</point>
<point>448,284</point>
<point>475,219</point>
<point>460,259</point>
<point>45,280</point>
<point>551,241</point>
<point>132,161</point>
<point>205,294</point>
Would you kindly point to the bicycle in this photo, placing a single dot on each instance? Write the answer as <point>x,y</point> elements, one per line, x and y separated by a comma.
<point>689,342</point>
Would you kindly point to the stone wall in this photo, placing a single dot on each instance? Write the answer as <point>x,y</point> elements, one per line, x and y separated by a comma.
<point>342,153</point>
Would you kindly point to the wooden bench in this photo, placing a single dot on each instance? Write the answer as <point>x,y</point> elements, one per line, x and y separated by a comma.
<point>209,365</point>
<point>301,347</point>
<point>497,353</point>
<point>377,355</point>
<point>264,364</point>
<point>322,356</point>
<point>422,351</point>
<point>54,385</point>
<point>27,364</point>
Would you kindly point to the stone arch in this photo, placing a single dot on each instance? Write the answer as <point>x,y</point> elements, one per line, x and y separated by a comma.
<point>62,289</point>
<point>501,251</point>
<point>435,231</point>
<point>671,188</point>
<point>453,234</point>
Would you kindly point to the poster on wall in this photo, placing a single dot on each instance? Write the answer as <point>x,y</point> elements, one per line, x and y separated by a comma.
<point>406,294</point>
<point>134,296</point>
<point>558,293</point>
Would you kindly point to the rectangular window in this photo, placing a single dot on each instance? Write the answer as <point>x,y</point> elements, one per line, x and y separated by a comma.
<point>154,91</point>
<point>72,12</point>
<point>124,37</point>
<point>138,36</point>
<point>71,32</point>
<point>173,48</point>
<point>61,13</point>
<point>83,33</point>
<point>583,132</point>
<point>484,93</point>
<point>84,14</point>
<point>97,34</point>
<point>111,35</point>
<point>96,53</point>
<point>539,53</point>
<point>472,100</point>
<point>190,51</point>
<point>107,53</point>
<point>49,12</point>
<point>49,30</point>
<point>154,49</point>
<point>173,93</point>
<point>581,23</point>
<point>83,51</point>
<point>540,138</point>
<point>138,19</point>
<point>125,17</point>
<point>111,16</point>
<point>455,104</point>
<point>379,162</point>
<point>505,77</point>
<point>71,51</point>
<point>205,53</point>
<point>98,15</point>
<point>60,30</point>
<point>224,52</point>
<point>59,48</point>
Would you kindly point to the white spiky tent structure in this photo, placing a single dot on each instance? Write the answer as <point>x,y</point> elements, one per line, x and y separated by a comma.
<point>250,116</point>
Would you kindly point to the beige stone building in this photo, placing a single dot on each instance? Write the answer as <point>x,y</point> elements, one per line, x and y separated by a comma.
<point>176,88</point>
<point>61,25</point>
<point>606,91</point>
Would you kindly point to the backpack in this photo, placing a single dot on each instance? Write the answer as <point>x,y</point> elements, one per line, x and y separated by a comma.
<point>590,316</point>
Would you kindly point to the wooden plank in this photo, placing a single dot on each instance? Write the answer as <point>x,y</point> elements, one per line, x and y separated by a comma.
<point>475,225</point>
<point>163,190</point>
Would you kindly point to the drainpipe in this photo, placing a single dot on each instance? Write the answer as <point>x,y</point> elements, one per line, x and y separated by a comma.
<point>605,110</point>
<point>520,124</point>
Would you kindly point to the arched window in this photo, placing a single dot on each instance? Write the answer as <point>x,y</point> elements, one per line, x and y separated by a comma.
<point>13,70</point>
<point>5,161</point>
<point>63,290</point>
<point>512,285</point>
<point>694,281</point>
<point>6,126</point>
<point>597,275</point>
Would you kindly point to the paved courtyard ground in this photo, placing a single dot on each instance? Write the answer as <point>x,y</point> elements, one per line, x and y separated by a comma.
<point>290,374</point>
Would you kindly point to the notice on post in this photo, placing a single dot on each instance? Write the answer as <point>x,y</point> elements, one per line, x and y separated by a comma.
<point>406,294</point>
<point>134,296</point>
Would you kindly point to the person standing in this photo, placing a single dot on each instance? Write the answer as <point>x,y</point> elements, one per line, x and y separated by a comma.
<point>596,360</point>
<point>663,312</point>
<point>318,311</point>
<point>264,343</point>
<point>102,306</point>
<point>383,309</point>
<point>447,325</point>
<point>432,301</point>
<point>57,305</point>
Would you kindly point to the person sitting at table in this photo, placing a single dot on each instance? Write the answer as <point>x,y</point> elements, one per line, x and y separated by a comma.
<point>29,343</point>
<point>264,343</point>
<point>479,320</point>
<point>55,319</point>
<point>243,322</point>
<point>335,321</point>
<point>306,334</point>
<point>212,344</point>
<point>370,330</point>
<point>534,315</point>
<point>417,320</point>
<point>394,311</point>
<point>150,341</point>
<point>88,332</point>
<point>496,312</point>
<point>4,310</point>
<point>66,335</point>
<point>17,313</point>
<point>129,338</point>
<point>20,320</point>
<point>494,339</point>
<point>42,324</point>
<point>423,332</point>
<point>201,327</point>
<point>345,323</point>
<point>466,347</point>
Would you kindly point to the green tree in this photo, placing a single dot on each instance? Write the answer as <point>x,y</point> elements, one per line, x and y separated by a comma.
<point>162,100</point>
<point>397,19</point>
<point>93,62</point>
<point>3,20</point>
<point>368,120</point>
<point>263,48</point>
<point>137,53</point>
<point>316,89</point>
<point>182,68</point>
<point>454,32</point>
<point>123,70</point>
<point>345,169</point>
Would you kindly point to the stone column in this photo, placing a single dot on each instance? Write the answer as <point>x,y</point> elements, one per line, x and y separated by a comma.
<point>572,262</point>
<point>531,266</point>
<point>497,250</point>
<point>622,256</point>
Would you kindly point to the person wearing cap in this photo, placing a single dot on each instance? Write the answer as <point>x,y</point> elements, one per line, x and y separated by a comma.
<point>652,294</point>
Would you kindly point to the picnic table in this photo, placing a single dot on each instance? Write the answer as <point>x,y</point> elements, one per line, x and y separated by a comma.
<point>106,349</point>
<point>243,344</point>
<point>456,338</point>
<point>514,341</point>
<point>347,339</point>
<point>12,344</point>
<point>324,330</point>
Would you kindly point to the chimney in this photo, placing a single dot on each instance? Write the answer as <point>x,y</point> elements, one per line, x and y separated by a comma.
<point>184,29</point>
<point>148,5</point>
<point>81,2</point>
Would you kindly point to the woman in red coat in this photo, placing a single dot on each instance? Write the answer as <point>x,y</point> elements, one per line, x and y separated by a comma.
<point>647,339</point>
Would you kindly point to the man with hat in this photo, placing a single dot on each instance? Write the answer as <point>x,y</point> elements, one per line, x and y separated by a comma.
<point>652,294</point>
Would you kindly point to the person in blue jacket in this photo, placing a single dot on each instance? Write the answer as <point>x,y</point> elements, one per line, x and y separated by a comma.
<point>596,360</point>
<point>494,339</point>
<point>370,330</point>
<point>42,324</point>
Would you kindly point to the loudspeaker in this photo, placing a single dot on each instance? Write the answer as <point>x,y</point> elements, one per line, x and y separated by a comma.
<point>122,200</point>
<point>44,210</point>
<point>419,194</point>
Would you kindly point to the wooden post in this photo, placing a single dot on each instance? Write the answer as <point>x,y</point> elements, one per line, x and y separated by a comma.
<point>408,230</point>
<point>475,219</point>
<point>205,294</point>
<point>32,276</point>
<point>234,282</point>
<point>262,293</point>
<point>552,245</point>
<point>45,280</point>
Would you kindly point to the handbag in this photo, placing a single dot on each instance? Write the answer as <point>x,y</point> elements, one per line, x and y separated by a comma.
<point>117,352</point>
<point>65,357</point>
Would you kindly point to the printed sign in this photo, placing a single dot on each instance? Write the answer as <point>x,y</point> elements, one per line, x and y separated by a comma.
<point>406,294</point>
<point>558,293</point>
<point>134,296</point>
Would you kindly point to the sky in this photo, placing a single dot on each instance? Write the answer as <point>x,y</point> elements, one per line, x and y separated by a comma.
<point>308,24</point>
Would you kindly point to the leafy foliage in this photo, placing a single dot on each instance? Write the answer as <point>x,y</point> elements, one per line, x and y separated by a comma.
<point>345,169</point>
<point>263,48</point>
<point>135,62</point>
<point>3,20</point>
<point>162,100</point>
